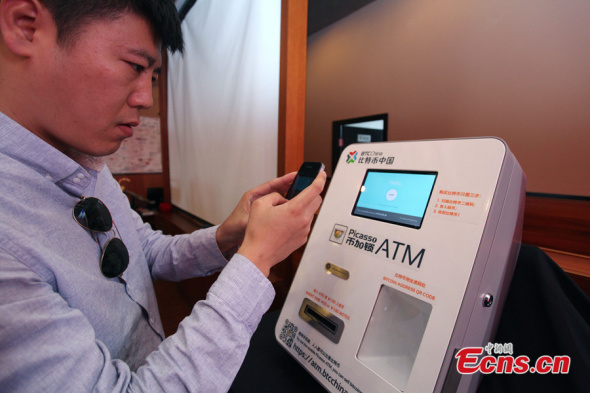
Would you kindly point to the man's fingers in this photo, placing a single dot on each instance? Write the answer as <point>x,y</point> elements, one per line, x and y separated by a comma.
<point>280,185</point>
<point>309,197</point>
<point>272,199</point>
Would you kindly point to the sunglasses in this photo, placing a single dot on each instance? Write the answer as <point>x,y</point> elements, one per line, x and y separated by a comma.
<point>92,214</point>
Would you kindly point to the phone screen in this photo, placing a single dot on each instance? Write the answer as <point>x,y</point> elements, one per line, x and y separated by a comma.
<point>305,176</point>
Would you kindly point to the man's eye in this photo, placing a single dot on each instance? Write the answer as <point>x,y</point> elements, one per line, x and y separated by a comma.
<point>138,68</point>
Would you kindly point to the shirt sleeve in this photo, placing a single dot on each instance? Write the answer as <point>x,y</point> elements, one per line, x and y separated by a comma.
<point>214,339</point>
<point>179,257</point>
<point>46,345</point>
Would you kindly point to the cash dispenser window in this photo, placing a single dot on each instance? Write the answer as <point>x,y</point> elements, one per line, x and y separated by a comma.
<point>395,197</point>
<point>393,336</point>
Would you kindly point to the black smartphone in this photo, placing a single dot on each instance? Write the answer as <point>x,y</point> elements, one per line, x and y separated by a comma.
<point>305,176</point>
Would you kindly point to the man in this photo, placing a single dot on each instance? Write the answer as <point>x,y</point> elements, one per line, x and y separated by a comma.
<point>77,306</point>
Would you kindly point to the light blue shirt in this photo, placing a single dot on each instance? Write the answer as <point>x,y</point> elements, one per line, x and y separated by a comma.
<point>64,327</point>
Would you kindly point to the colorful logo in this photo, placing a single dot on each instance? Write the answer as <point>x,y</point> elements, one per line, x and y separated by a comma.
<point>351,157</point>
<point>338,233</point>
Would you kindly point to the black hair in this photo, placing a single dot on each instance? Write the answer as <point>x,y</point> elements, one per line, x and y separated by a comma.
<point>71,16</point>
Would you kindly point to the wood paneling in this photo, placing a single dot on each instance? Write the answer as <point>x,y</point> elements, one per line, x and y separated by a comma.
<point>291,127</point>
<point>577,267</point>
<point>557,223</point>
<point>292,85</point>
<point>138,183</point>
<point>561,227</point>
<point>163,102</point>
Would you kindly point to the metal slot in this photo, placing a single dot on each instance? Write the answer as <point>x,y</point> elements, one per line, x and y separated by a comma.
<point>322,320</point>
<point>337,271</point>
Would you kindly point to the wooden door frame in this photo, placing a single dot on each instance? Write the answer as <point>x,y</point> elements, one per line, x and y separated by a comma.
<point>292,85</point>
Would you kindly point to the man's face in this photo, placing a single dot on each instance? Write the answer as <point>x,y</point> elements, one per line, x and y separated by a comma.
<point>89,96</point>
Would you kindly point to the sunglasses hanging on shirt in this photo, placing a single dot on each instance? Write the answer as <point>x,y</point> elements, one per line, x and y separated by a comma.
<point>92,214</point>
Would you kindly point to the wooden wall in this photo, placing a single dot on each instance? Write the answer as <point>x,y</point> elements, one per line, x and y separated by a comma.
<point>561,227</point>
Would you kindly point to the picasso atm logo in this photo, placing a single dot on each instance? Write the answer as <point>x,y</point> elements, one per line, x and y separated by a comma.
<point>338,233</point>
<point>351,157</point>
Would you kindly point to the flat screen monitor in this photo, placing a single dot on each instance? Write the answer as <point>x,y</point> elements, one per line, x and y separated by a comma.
<point>396,197</point>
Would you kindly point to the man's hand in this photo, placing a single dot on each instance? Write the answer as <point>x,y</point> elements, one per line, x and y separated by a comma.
<point>231,233</point>
<point>277,227</point>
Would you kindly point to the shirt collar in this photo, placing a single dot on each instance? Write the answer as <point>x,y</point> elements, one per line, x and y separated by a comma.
<point>73,172</point>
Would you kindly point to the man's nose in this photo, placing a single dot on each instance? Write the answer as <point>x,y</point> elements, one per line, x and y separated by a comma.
<point>141,97</point>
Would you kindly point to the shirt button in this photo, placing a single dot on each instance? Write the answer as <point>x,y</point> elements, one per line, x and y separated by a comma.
<point>76,180</point>
<point>80,176</point>
<point>48,177</point>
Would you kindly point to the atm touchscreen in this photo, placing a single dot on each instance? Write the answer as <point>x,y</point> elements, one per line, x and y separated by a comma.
<point>397,197</point>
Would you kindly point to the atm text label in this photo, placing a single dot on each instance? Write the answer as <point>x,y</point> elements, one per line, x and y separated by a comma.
<point>402,252</point>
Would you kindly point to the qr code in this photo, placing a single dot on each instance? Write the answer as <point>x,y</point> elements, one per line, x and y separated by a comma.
<point>288,333</point>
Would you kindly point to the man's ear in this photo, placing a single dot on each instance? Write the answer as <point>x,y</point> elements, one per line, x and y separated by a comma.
<point>19,21</point>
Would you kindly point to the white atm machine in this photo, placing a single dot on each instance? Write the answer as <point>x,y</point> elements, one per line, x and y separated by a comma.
<point>410,260</point>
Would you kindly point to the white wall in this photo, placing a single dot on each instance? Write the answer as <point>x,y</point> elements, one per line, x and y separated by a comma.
<point>516,69</point>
